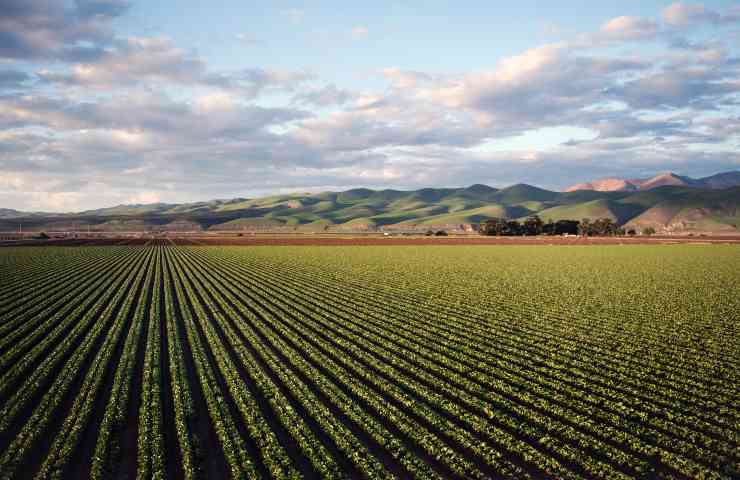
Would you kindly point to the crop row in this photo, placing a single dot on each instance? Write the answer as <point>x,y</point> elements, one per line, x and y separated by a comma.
<point>165,362</point>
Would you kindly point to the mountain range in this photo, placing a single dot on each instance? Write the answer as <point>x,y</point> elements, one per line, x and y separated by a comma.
<point>668,203</point>
<point>718,181</point>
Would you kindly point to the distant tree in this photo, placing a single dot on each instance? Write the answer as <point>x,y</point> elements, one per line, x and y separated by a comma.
<point>42,236</point>
<point>604,227</point>
<point>493,226</point>
<point>429,233</point>
<point>514,228</point>
<point>485,228</point>
<point>648,231</point>
<point>584,228</point>
<point>613,229</point>
<point>533,225</point>
<point>549,227</point>
<point>631,232</point>
<point>501,227</point>
<point>599,227</point>
<point>566,227</point>
<point>440,233</point>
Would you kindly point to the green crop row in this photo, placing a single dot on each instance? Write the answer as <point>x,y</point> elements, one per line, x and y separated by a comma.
<point>460,362</point>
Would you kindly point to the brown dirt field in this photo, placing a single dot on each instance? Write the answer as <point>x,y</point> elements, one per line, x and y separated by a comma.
<point>359,240</point>
<point>451,240</point>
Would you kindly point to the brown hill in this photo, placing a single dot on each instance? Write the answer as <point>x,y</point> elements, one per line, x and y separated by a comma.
<point>606,185</point>
<point>718,181</point>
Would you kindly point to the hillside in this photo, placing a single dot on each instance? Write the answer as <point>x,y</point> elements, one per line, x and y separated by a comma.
<point>714,211</point>
<point>669,208</point>
<point>717,181</point>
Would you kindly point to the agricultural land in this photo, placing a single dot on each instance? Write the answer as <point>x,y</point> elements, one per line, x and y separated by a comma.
<point>448,361</point>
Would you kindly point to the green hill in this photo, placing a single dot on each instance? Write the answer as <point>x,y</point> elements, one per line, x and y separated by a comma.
<point>523,193</point>
<point>666,208</point>
<point>600,208</point>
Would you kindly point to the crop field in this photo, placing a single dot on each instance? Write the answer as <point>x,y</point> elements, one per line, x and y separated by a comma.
<point>436,361</point>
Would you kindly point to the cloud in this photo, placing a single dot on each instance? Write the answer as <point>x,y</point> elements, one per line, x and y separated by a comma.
<point>13,79</point>
<point>110,119</point>
<point>253,81</point>
<point>102,8</point>
<point>144,198</point>
<point>683,14</point>
<point>135,60</point>
<point>629,28</point>
<point>622,124</point>
<point>404,79</point>
<point>675,88</point>
<point>370,123</point>
<point>686,15</point>
<point>548,85</point>
<point>143,61</point>
<point>325,96</point>
<point>50,29</point>
<point>359,33</point>
<point>212,117</point>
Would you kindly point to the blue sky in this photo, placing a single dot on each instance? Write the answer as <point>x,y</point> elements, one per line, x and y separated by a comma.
<point>436,36</point>
<point>124,101</point>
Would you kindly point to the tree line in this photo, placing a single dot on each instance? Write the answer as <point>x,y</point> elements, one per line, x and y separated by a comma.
<point>534,225</point>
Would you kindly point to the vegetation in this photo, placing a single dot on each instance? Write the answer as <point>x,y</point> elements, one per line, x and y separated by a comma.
<point>438,362</point>
<point>533,225</point>
<point>692,209</point>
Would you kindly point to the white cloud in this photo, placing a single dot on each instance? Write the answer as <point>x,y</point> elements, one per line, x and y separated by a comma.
<point>629,28</point>
<point>683,14</point>
<point>325,96</point>
<point>52,29</point>
<point>359,33</point>
<point>686,15</point>
<point>144,198</point>
<point>135,60</point>
<point>215,102</point>
<point>148,120</point>
<point>11,182</point>
<point>404,79</point>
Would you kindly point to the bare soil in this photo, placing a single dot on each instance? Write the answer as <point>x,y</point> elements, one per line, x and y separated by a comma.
<point>357,240</point>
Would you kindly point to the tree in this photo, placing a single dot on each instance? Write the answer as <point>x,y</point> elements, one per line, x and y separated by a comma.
<point>566,227</point>
<point>648,231</point>
<point>533,225</point>
<point>584,228</point>
<point>549,227</point>
<point>513,228</point>
<point>500,226</point>
<point>493,226</point>
<point>604,227</point>
<point>440,233</point>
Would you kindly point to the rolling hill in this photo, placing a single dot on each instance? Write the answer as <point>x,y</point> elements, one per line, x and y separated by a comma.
<point>718,181</point>
<point>667,208</point>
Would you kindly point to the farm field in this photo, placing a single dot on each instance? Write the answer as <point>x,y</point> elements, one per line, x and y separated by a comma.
<point>435,361</point>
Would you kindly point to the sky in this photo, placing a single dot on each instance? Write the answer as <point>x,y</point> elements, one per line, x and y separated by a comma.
<point>106,102</point>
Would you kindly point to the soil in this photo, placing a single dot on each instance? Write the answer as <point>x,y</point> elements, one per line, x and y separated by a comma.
<point>350,240</point>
